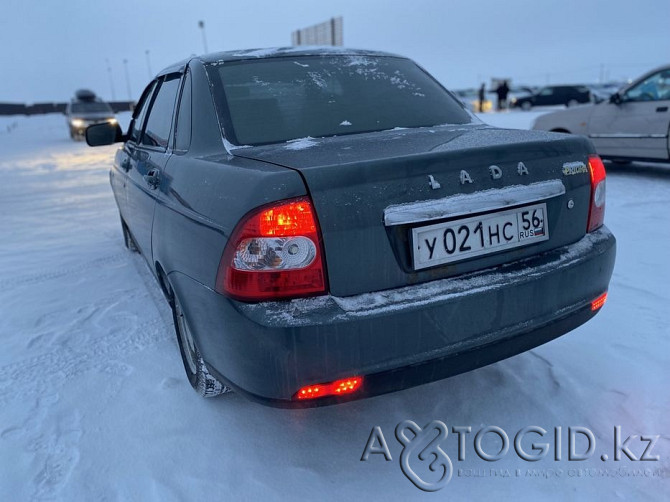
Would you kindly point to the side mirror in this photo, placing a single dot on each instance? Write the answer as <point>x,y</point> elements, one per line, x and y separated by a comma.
<point>615,98</point>
<point>104,134</point>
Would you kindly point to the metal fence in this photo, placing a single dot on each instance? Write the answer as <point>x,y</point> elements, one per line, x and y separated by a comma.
<point>42,108</point>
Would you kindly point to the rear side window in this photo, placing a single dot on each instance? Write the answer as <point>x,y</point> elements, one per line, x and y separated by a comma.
<point>141,112</point>
<point>183,125</point>
<point>157,130</point>
<point>279,99</point>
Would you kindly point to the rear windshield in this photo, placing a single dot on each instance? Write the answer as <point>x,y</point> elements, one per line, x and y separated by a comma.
<point>280,99</point>
<point>90,107</point>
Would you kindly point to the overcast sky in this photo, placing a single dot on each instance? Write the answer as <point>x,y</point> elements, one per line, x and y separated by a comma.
<point>49,48</point>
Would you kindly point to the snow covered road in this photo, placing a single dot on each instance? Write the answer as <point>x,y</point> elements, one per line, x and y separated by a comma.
<point>95,405</point>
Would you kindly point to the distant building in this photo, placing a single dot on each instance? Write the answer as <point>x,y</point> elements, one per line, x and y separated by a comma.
<point>326,33</point>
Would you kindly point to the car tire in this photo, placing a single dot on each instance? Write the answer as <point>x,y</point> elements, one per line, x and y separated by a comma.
<point>202,381</point>
<point>128,238</point>
<point>572,102</point>
<point>526,105</point>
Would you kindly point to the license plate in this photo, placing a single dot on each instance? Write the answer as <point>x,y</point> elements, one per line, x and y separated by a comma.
<point>480,235</point>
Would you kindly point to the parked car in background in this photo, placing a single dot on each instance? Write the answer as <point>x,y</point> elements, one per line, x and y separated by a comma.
<point>328,224</point>
<point>84,110</point>
<point>517,92</point>
<point>632,124</point>
<point>552,95</point>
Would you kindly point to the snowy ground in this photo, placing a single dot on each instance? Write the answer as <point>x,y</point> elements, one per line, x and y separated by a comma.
<point>95,405</point>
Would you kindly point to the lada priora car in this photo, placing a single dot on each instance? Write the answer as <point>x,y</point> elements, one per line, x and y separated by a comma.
<point>328,224</point>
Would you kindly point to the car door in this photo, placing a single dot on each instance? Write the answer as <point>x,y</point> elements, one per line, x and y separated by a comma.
<point>148,158</point>
<point>120,172</point>
<point>561,96</point>
<point>545,96</point>
<point>637,125</point>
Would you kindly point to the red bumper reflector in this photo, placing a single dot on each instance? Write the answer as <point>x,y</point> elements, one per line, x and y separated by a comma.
<point>599,302</point>
<point>338,388</point>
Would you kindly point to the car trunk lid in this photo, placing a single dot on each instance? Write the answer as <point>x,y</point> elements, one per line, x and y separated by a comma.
<point>373,191</point>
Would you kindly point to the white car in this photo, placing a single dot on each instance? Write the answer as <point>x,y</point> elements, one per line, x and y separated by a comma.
<point>632,125</point>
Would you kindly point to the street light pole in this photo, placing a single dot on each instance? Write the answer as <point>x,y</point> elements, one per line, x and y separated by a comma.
<point>149,64</point>
<point>125,67</point>
<point>111,80</point>
<point>201,25</point>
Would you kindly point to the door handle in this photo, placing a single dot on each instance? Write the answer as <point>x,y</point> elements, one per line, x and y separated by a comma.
<point>662,109</point>
<point>153,178</point>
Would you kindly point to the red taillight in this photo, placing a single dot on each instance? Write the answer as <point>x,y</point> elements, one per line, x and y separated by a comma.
<point>338,388</point>
<point>291,218</point>
<point>274,253</point>
<point>597,204</point>
<point>599,302</point>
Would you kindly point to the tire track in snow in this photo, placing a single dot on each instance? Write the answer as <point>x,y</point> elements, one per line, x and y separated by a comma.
<point>54,446</point>
<point>39,375</point>
<point>46,275</point>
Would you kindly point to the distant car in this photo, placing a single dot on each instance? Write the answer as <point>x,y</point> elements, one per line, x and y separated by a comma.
<point>552,95</point>
<point>632,124</point>
<point>328,224</point>
<point>518,92</point>
<point>84,110</point>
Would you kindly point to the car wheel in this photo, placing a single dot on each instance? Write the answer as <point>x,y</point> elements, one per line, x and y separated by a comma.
<point>202,381</point>
<point>572,102</point>
<point>526,105</point>
<point>128,238</point>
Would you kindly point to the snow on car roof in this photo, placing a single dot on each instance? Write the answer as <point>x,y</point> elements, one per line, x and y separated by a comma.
<point>272,52</point>
<point>316,50</point>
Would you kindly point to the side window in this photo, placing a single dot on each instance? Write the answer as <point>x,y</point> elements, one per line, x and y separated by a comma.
<point>183,127</point>
<point>654,88</point>
<point>140,112</point>
<point>157,130</point>
<point>547,91</point>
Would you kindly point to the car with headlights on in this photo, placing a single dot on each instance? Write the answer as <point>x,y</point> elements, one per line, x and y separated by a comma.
<point>328,224</point>
<point>86,109</point>
<point>632,124</point>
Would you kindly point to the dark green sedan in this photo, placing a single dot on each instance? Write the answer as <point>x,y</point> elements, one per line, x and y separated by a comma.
<point>329,224</point>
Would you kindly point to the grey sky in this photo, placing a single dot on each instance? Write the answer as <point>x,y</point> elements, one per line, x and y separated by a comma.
<point>52,47</point>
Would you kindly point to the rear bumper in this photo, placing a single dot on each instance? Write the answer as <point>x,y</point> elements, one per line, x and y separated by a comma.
<point>402,337</point>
